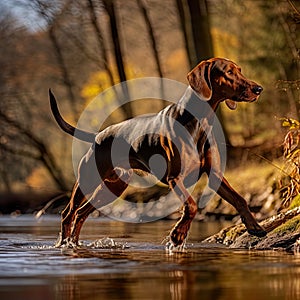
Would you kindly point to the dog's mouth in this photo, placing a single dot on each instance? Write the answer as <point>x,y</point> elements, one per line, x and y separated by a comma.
<point>247,96</point>
<point>249,99</point>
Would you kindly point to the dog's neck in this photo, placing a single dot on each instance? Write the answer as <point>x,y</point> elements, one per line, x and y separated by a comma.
<point>191,107</point>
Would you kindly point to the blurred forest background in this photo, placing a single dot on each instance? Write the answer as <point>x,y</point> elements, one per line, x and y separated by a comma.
<point>81,47</point>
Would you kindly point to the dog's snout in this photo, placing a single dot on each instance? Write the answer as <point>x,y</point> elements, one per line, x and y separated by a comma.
<point>257,89</point>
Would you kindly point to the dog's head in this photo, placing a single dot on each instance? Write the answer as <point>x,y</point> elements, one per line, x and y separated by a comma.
<point>221,79</point>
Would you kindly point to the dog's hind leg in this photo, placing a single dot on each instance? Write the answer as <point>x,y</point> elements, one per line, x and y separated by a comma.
<point>88,180</point>
<point>180,231</point>
<point>108,191</point>
<point>68,214</point>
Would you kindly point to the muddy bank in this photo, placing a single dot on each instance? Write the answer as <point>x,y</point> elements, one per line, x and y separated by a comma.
<point>29,201</point>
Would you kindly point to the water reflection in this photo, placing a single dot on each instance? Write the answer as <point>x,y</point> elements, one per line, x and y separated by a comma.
<point>31,268</point>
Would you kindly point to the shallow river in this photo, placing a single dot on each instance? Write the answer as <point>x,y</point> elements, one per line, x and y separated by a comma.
<point>134,265</point>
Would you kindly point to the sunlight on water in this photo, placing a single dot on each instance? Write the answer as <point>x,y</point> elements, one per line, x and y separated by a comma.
<point>128,261</point>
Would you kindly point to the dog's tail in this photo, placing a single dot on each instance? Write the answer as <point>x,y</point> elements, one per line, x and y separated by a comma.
<point>66,127</point>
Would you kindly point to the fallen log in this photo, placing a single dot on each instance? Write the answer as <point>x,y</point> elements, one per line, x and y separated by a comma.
<point>283,233</point>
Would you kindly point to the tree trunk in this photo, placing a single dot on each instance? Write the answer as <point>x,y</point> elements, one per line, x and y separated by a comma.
<point>100,41</point>
<point>200,29</point>
<point>149,26</point>
<point>196,29</point>
<point>151,35</point>
<point>110,9</point>
<point>186,29</point>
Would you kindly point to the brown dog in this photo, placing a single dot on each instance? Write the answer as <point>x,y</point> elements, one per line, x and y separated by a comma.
<point>186,152</point>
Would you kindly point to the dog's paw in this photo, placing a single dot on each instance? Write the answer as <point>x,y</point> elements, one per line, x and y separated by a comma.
<point>177,239</point>
<point>179,233</point>
<point>172,248</point>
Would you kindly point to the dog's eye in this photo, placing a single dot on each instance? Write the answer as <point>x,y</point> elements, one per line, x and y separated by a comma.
<point>229,72</point>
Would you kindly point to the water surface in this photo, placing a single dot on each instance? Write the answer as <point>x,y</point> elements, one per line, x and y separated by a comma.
<point>136,266</point>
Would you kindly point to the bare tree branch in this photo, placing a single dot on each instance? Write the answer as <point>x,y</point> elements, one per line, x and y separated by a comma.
<point>43,9</point>
<point>100,40</point>
<point>44,156</point>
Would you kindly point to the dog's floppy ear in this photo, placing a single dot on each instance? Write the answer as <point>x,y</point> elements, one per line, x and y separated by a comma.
<point>199,80</point>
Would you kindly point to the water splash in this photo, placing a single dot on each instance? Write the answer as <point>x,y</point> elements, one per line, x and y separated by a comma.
<point>107,243</point>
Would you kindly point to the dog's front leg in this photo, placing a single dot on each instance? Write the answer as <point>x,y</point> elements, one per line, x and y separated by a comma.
<point>223,188</point>
<point>180,230</point>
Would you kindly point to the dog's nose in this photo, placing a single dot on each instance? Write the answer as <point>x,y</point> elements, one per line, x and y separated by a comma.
<point>257,89</point>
